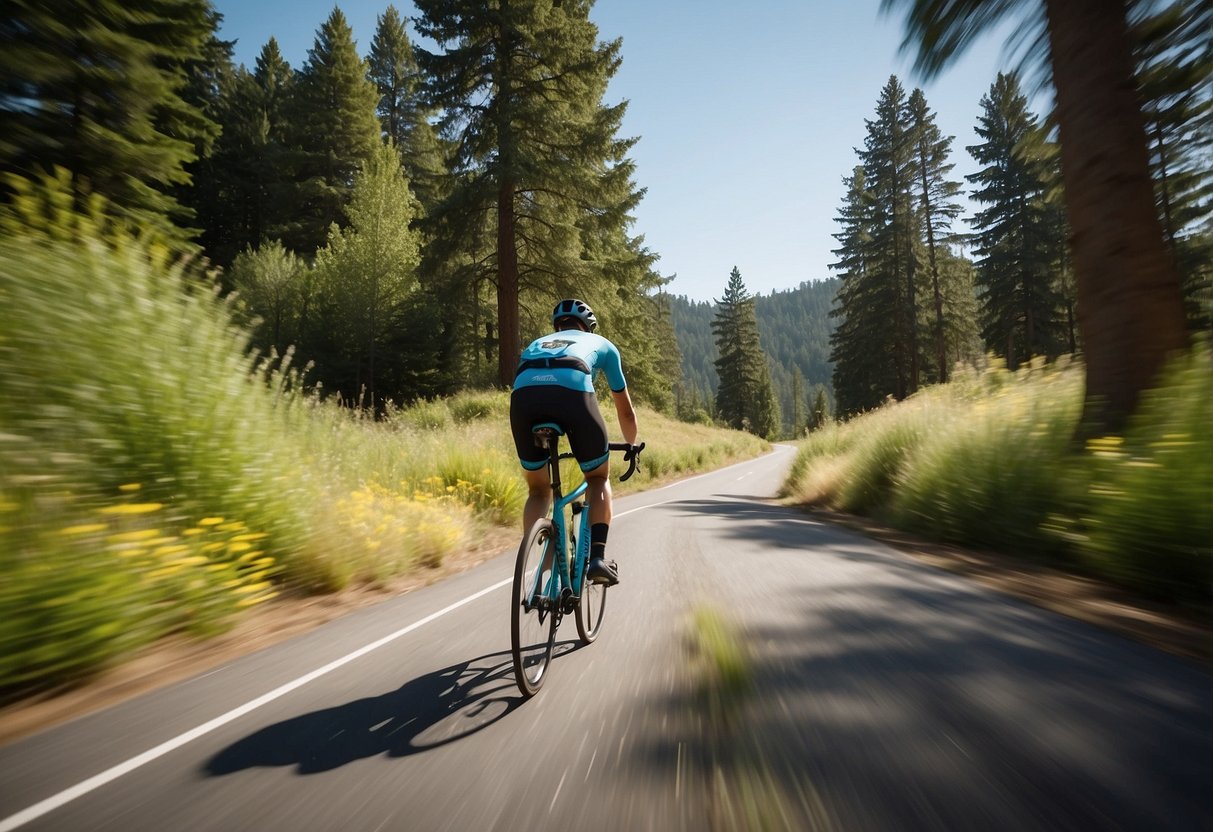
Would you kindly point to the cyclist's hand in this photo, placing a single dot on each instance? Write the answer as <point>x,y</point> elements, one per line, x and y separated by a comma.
<point>632,456</point>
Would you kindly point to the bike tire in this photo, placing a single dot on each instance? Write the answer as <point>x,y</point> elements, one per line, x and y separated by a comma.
<point>532,631</point>
<point>591,606</point>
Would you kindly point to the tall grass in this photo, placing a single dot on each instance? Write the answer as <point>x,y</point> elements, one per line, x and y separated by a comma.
<point>156,478</point>
<point>987,460</point>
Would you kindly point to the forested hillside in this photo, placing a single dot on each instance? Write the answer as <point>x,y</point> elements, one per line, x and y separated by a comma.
<point>794,326</point>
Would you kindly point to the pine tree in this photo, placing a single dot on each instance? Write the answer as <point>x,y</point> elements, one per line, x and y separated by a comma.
<point>1016,241</point>
<point>537,162</point>
<point>744,396</point>
<point>767,418</point>
<point>97,88</point>
<point>863,344</point>
<point>333,123</point>
<point>402,112</point>
<point>888,162</point>
<point>937,208</point>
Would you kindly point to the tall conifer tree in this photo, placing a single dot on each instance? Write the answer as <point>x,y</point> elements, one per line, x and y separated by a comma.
<point>402,111</point>
<point>863,344</point>
<point>888,162</point>
<point>334,125</point>
<point>1017,239</point>
<point>537,160</point>
<point>937,208</point>
<point>744,396</point>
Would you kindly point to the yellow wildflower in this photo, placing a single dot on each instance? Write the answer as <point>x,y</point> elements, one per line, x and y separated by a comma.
<point>129,537</point>
<point>210,521</point>
<point>255,599</point>
<point>171,550</point>
<point>129,487</point>
<point>84,528</point>
<point>132,508</point>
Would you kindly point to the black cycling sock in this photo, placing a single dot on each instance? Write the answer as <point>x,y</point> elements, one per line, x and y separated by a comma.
<point>598,536</point>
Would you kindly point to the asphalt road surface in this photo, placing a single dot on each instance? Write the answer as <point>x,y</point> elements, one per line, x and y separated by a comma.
<point>882,694</point>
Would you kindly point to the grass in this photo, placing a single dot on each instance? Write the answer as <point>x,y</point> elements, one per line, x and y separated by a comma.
<point>988,461</point>
<point>156,478</point>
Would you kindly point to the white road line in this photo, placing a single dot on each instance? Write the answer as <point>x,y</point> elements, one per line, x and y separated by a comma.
<point>80,789</point>
<point>624,514</point>
<point>743,476</point>
<point>777,449</point>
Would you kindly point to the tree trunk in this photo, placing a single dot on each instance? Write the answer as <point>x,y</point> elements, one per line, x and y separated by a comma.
<point>941,350</point>
<point>508,337</point>
<point>1130,310</point>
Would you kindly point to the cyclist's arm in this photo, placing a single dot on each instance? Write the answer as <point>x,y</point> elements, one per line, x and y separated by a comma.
<point>627,415</point>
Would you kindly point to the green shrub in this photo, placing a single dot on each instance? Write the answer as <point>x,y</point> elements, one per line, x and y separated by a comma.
<point>989,461</point>
<point>1148,518</point>
<point>995,470</point>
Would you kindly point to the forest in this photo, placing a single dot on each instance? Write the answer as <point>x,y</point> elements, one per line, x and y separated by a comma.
<point>392,220</point>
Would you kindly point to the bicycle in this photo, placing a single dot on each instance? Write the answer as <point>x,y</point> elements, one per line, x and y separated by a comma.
<point>547,586</point>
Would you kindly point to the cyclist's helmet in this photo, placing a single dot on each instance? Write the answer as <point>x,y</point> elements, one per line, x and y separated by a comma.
<point>578,309</point>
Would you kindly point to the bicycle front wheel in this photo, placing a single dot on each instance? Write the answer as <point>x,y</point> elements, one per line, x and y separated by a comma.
<point>533,613</point>
<point>590,609</point>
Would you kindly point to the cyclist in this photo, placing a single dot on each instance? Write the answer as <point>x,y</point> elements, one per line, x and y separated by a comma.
<point>555,383</point>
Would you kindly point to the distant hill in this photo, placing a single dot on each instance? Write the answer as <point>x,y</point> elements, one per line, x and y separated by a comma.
<point>795,329</point>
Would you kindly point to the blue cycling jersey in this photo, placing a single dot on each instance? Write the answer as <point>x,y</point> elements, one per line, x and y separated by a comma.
<point>566,348</point>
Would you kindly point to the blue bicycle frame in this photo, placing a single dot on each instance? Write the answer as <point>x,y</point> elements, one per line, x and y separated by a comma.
<point>561,575</point>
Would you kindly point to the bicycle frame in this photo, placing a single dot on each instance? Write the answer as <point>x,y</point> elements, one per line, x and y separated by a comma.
<point>563,574</point>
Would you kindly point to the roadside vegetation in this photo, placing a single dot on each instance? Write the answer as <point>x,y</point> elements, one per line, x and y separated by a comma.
<point>988,460</point>
<point>158,478</point>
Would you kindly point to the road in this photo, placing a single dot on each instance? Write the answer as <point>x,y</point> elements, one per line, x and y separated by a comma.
<point>883,694</point>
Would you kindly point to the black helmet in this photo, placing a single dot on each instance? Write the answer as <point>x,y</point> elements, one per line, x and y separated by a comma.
<point>573,308</point>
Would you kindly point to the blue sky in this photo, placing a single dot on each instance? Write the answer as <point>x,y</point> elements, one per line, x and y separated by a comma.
<point>748,115</point>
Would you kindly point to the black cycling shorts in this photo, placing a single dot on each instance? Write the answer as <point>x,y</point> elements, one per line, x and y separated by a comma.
<point>575,411</point>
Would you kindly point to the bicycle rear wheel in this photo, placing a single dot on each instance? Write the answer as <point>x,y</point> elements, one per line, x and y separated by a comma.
<point>590,609</point>
<point>532,616</point>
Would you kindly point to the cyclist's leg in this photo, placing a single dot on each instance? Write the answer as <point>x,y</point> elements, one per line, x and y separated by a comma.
<point>588,439</point>
<point>539,497</point>
<point>528,406</point>
<point>598,493</point>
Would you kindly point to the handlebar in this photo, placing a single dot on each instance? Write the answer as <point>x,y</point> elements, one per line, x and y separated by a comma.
<point>631,454</point>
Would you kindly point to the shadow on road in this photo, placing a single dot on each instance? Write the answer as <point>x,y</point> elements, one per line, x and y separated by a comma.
<point>428,712</point>
<point>887,695</point>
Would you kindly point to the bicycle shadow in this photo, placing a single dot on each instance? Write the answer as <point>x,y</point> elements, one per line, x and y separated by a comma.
<point>425,713</point>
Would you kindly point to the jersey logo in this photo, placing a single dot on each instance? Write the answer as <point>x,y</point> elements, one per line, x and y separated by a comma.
<point>557,344</point>
<point>548,377</point>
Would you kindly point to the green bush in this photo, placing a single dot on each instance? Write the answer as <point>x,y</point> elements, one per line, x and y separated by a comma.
<point>1148,518</point>
<point>988,460</point>
<point>995,469</point>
